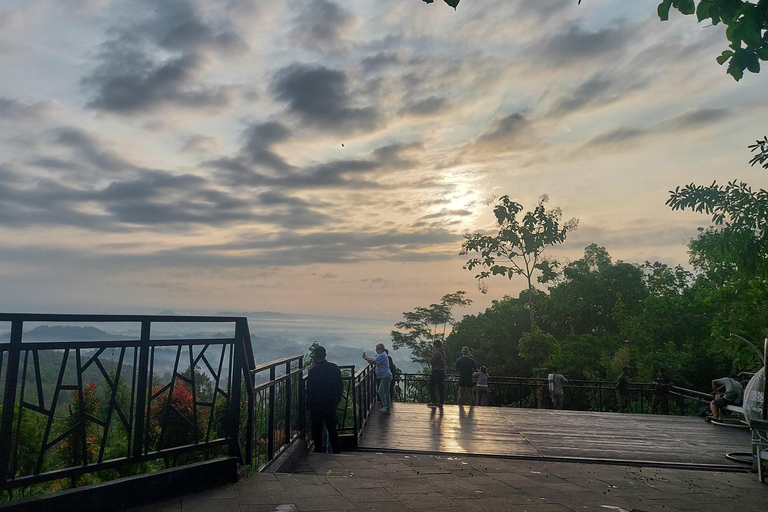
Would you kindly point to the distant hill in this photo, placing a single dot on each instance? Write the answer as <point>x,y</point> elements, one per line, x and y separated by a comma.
<point>66,333</point>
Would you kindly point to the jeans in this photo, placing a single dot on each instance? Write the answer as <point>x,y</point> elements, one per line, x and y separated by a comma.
<point>384,383</point>
<point>437,387</point>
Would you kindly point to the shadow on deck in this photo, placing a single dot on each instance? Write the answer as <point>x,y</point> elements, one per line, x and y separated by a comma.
<point>555,435</point>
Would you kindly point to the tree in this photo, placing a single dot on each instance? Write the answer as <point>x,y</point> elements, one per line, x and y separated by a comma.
<point>747,29</point>
<point>519,244</point>
<point>423,326</point>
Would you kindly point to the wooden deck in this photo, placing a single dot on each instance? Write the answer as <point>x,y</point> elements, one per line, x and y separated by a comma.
<point>538,433</point>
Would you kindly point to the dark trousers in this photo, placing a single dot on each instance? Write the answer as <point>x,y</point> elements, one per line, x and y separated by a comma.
<point>324,415</point>
<point>437,387</point>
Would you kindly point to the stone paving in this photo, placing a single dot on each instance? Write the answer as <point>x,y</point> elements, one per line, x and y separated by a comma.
<point>388,482</point>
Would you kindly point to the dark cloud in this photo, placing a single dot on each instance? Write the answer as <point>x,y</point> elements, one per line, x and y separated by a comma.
<point>380,61</point>
<point>256,157</point>
<point>510,133</point>
<point>141,89</point>
<point>446,213</point>
<point>321,25</point>
<point>321,98</point>
<point>19,111</point>
<point>576,45</point>
<point>698,118</point>
<point>425,107</point>
<point>260,138</point>
<point>689,121</point>
<point>199,144</point>
<point>598,90</point>
<point>618,135</point>
<point>540,9</point>
<point>133,77</point>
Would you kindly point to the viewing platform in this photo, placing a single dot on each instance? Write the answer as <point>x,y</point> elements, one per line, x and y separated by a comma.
<point>505,459</point>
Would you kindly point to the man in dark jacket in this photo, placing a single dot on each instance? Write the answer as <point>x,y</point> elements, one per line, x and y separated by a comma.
<point>324,390</point>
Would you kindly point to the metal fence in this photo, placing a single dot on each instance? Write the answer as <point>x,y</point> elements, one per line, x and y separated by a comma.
<point>581,395</point>
<point>82,411</point>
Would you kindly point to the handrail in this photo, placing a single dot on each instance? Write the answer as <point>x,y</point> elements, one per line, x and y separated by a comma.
<point>73,430</point>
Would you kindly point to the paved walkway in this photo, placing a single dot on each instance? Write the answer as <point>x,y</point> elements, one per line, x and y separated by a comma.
<point>370,481</point>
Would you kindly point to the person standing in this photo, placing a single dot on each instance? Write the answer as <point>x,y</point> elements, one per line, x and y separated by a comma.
<point>324,391</point>
<point>662,385</point>
<point>393,371</point>
<point>556,381</point>
<point>465,366</point>
<point>622,389</point>
<point>481,388</point>
<point>437,377</point>
<point>383,374</point>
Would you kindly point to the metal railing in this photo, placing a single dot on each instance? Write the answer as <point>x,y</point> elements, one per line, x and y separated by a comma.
<point>583,395</point>
<point>75,409</point>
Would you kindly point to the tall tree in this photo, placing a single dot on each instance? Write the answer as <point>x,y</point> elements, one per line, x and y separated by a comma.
<point>517,247</point>
<point>423,326</point>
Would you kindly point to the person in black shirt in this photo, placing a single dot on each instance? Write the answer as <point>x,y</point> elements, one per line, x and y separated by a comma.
<point>324,390</point>
<point>466,366</point>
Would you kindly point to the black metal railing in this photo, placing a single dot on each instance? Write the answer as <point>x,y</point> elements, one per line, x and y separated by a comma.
<point>77,412</point>
<point>276,417</point>
<point>583,395</point>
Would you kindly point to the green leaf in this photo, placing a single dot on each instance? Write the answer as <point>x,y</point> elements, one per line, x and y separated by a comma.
<point>762,53</point>
<point>702,12</point>
<point>452,3</point>
<point>723,58</point>
<point>753,64</point>
<point>685,6</point>
<point>663,10</point>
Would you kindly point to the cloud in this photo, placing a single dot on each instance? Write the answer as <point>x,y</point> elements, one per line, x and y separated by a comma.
<point>148,85</point>
<point>258,166</point>
<point>576,45</point>
<point>509,133</point>
<point>425,107</point>
<point>200,144</point>
<point>380,61</point>
<point>19,111</point>
<point>598,90</point>
<point>698,118</point>
<point>320,97</point>
<point>692,120</point>
<point>159,60</point>
<point>322,25</point>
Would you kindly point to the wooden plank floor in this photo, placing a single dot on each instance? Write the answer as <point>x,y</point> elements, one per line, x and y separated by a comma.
<point>548,433</point>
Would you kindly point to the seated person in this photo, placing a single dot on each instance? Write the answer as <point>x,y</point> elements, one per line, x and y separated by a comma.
<point>727,391</point>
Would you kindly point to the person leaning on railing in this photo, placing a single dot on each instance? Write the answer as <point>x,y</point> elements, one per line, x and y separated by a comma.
<point>437,377</point>
<point>383,374</point>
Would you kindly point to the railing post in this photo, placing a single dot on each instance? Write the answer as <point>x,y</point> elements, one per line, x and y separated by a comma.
<point>139,428</point>
<point>302,409</point>
<point>288,402</point>
<point>240,372</point>
<point>271,420</point>
<point>353,391</point>
<point>9,400</point>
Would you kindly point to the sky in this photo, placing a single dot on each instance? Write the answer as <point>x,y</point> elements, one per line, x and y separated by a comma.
<point>321,157</point>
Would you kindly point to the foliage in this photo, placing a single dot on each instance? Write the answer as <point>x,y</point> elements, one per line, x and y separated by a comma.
<point>423,326</point>
<point>80,447</point>
<point>172,422</point>
<point>746,24</point>
<point>518,246</point>
<point>537,345</point>
<point>493,335</point>
<point>584,297</point>
<point>452,3</point>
